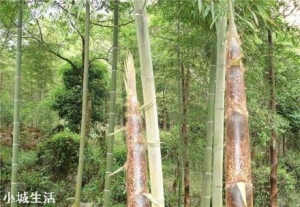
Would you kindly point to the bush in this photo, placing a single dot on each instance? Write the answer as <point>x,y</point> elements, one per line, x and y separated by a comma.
<point>59,155</point>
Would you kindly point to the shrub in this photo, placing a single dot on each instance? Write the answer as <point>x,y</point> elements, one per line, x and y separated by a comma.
<point>59,155</point>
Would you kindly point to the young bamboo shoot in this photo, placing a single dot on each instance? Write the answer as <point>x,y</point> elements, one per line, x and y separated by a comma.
<point>136,172</point>
<point>238,157</point>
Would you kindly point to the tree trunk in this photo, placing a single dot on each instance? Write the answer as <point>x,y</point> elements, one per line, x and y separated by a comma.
<point>180,137</point>
<point>164,109</point>
<point>84,105</point>
<point>273,141</point>
<point>136,164</point>
<point>184,131</point>
<point>207,177</point>
<point>238,156</point>
<point>149,95</point>
<point>217,194</point>
<point>17,99</point>
<point>112,109</point>
<point>174,186</point>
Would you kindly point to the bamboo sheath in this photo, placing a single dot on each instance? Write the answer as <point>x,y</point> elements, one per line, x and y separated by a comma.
<point>238,156</point>
<point>136,165</point>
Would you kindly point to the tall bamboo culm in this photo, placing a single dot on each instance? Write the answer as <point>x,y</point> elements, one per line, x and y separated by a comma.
<point>185,135</point>
<point>16,130</point>
<point>273,141</point>
<point>136,164</point>
<point>112,109</point>
<point>217,184</point>
<point>149,96</point>
<point>207,177</point>
<point>238,156</point>
<point>180,136</point>
<point>84,104</point>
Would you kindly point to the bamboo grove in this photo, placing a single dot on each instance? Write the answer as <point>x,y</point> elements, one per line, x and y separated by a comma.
<point>217,82</point>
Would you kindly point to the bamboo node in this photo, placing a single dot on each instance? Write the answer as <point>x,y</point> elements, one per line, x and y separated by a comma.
<point>148,78</point>
<point>153,142</point>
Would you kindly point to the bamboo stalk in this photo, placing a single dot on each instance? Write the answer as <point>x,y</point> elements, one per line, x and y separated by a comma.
<point>207,177</point>
<point>238,157</point>
<point>180,137</point>
<point>136,164</point>
<point>84,104</point>
<point>112,109</point>
<point>184,131</point>
<point>217,185</point>
<point>273,141</point>
<point>149,95</point>
<point>16,129</point>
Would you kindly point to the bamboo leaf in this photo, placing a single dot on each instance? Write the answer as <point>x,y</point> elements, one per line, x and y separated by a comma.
<point>247,22</point>
<point>200,5</point>
<point>212,10</point>
<point>255,17</point>
<point>214,20</point>
<point>262,12</point>
<point>206,12</point>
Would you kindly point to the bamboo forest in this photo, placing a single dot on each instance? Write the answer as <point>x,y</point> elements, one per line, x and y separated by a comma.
<point>139,103</point>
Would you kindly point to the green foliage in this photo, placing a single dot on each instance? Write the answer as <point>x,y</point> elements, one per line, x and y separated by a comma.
<point>286,185</point>
<point>6,109</point>
<point>5,168</point>
<point>59,154</point>
<point>68,98</point>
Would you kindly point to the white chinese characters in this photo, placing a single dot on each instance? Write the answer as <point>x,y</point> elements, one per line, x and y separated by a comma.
<point>34,197</point>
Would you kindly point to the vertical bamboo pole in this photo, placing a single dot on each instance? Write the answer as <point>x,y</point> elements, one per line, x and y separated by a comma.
<point>217,194</point>
<point>180,137</point>
<point>84,104</point>
<point>273,141</point>
<point>16,130</point>
<point>149,95</point>
<point>238,156</point>
<point>207,177</point>
<point>184,131</point>
<point>112,109</point>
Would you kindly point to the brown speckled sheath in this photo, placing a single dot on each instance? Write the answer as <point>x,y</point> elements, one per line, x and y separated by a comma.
<point>238,160</point>
<point>136,173</point>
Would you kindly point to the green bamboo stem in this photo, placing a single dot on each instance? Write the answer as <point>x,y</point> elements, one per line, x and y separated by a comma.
<point>16,130</point>
<point>207,177</point>
<point>217,194</point>
<point>184,131</point>
<point>112,109</point>
<point>149,95</point>
<point>84,105</point>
